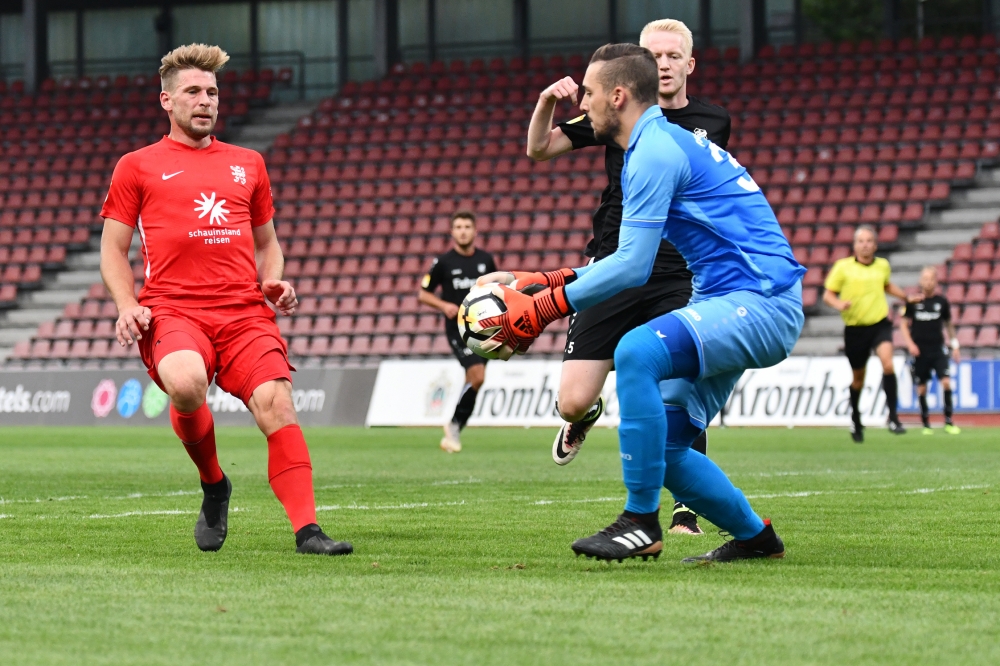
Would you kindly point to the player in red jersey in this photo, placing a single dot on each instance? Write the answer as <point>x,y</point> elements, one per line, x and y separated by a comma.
<point>204,214</point>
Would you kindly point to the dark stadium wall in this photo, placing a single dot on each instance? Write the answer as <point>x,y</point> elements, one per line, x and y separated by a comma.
<point>326,40</point>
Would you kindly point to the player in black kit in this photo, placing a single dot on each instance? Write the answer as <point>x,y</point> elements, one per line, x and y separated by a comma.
<point>921,327</point>
<point>456,272</point>
<point>595,332</point>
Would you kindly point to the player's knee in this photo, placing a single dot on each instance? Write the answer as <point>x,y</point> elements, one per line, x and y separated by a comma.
<point>476,376</point>
<point>272,405</point>
<point>283,411</point>
<point>945,384</point>
<point>574,406</point>
<point>633,351</point>
<point>187,392</point>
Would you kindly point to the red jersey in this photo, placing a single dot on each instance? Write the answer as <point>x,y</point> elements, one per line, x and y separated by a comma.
<point>195,210</point>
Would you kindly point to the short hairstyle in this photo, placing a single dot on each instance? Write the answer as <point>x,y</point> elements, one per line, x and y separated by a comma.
<point>463,215</point>
<point>932,269</point>
<point>865,227</point>
<point>192,56</point>
<point>631,67</point>
<point>669,25</point>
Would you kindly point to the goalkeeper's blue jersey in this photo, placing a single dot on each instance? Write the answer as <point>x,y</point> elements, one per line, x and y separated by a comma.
<point>708,207</point>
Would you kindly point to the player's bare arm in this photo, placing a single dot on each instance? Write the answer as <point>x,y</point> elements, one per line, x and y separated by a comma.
<point>897,291</point>
<point>544,140</point>
<point>117,275</point>
<point>449,310</point>
<point>952,341</point>
<point>833,300</point>
<point>904,329</point>
<point>271,267</point>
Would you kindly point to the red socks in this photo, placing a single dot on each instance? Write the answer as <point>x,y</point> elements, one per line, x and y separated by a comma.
<point>288,467</point>
<point>197,431</point>
<point>290,473</point>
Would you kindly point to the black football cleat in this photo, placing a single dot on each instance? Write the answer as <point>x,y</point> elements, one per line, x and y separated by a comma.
<point>213,521</point>
<point>311,540</point>
<point>767,544</point>
<point>895,427</point>
<point>684,521</point>
<point>857,432</point>
<point>623,539</point>
<point>570,437</point>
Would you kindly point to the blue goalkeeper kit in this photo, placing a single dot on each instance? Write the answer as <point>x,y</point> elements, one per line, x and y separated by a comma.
<point>675,373</point>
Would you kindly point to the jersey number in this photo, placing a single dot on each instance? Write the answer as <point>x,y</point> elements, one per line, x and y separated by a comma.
<point>746,182</point>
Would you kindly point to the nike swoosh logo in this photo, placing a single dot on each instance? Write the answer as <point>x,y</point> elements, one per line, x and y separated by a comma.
<point>660,335</point>
<point>166,177</point>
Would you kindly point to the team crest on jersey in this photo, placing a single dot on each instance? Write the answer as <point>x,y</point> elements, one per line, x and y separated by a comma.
<point>481,268</point>
<point>214,209</point>
<point>239,175</point>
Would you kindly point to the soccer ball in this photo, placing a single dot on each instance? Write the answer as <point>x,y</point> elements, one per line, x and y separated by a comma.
<point>479,304</point>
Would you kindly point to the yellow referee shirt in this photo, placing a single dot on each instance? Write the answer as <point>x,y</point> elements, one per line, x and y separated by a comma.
<point>863,286</point>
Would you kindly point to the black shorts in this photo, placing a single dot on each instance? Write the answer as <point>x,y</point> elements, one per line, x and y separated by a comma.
<point>595,332</point>
<point>465,356</point>
<point>859,341</point>
<point>930,360</point>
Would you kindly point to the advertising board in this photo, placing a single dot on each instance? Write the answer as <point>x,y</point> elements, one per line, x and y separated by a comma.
<point>335,396</point>
<point>801,390</point>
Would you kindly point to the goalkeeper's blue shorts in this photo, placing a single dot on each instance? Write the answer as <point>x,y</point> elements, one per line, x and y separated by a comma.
<point>733,333</point>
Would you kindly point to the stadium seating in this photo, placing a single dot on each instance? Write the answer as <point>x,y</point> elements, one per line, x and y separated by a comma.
<point>836,135</point>
<point>970,280</point>
<point>57,151</point>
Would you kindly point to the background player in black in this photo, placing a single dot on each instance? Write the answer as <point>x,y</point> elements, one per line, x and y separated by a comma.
<point>923,327</point>
<point>456,272</point>
<point>594,333</point>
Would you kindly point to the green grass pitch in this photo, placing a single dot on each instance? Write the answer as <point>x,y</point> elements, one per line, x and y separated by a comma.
<point>464,559</point>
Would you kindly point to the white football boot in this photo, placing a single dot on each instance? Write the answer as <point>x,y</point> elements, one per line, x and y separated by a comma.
<point>570,438</point>
<point>452,441</point>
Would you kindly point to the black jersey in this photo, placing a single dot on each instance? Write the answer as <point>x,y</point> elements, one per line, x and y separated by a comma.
<point>456,274</point>
<point>926,321</point>
<point>698,117</point>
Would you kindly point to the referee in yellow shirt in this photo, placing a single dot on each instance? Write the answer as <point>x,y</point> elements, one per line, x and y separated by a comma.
<point>856,287</point>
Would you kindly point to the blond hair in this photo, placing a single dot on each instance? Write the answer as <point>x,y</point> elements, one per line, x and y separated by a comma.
<point>191,56</point>
<point>669,25</point>
<point>866,228</point>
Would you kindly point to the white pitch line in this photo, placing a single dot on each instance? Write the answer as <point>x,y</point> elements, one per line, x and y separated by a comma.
<point>924,491</point>
<point>542,502</point>
<point>456,482</point>
<point>385,507</point>
<point>39,500</point>
<point>806,493</point>
<point>579,501</point>
<point>128,514</point>
<point>167,512</point>
<point>172,493</point>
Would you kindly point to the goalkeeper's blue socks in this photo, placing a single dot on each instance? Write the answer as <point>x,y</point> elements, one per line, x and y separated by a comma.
<point>655,442</point>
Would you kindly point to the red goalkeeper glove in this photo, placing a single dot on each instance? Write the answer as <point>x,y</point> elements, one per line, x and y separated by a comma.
<point>559,278</point>
<point>528,313</point>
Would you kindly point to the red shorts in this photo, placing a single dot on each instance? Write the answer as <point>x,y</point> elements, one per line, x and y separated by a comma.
<point>241,345</point>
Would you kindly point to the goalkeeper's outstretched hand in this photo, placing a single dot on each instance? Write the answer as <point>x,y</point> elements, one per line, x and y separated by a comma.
<point>528,313</point>
<point>521,279</point>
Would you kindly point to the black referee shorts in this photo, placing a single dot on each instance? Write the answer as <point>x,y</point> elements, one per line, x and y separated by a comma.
<point>930,360</point>
<point>595,332</point>
<point>465,356</point>
<point>859,341</point>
